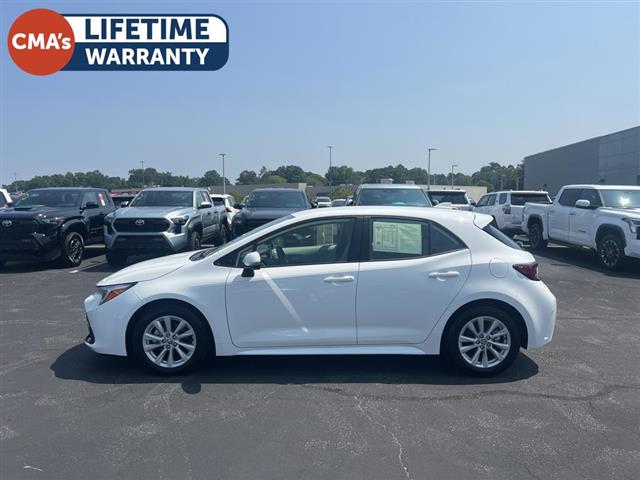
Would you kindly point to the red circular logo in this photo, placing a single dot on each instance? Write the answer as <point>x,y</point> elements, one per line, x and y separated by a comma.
<point>41,41</point>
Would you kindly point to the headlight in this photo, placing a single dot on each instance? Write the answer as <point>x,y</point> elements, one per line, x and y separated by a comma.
<point>110,292</point>
<point>180,220</point>
<point>633,224</point>
<point>53,220</point>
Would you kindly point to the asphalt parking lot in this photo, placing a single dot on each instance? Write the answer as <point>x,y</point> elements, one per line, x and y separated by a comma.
<point>569,410</point>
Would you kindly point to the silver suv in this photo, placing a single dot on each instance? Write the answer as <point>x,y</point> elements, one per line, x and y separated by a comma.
<point>164,220</point>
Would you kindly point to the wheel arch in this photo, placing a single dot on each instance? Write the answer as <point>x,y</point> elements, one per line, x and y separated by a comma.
<point>606,228</point>
<point>165,303</point>
<point>500,304</point>
<point>533,219</point>
<point>75,225</point>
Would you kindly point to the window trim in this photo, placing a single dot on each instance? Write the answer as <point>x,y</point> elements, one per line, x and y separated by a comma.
<point>352,256</point>
<point>365,250</point>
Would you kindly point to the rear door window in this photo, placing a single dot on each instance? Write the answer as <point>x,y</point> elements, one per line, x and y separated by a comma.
<point>569,197</point>
<point>503,198</point>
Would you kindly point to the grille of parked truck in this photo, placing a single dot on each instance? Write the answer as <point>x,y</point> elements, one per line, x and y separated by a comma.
<point>605,218</point>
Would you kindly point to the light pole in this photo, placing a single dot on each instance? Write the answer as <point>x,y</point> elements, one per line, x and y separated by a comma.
<point>142,168</point>
<point>330,147</point>
<point>452,167</point>
<point>429,149</point>
<point>224,181</point>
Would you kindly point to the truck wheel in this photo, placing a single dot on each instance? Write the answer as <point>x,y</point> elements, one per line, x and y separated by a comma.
<point>535,237</point>
<point>72,250</point>
<point>116,259</point>
<point>223,236</point>
<point>611,251</point>
<point>195,242</point>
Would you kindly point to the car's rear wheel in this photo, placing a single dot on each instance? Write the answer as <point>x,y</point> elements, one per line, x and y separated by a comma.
<point>611,251</point>
<point>72,250</point>
<point>483,341</point>
<point>116,259</point>
<point>170,339</point>
<point>536,240</point>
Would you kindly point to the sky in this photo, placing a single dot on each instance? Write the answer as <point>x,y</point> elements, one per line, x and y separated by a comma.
<point>382,81</point>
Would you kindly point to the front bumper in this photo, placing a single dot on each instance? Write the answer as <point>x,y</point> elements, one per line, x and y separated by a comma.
<point>145,243</point>
<point>108,322</point>
<point>632,249</point>
<point>29,246</point>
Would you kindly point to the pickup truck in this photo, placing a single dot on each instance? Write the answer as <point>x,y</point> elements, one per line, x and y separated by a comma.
<point>604,218</point>
<point>162,221</point>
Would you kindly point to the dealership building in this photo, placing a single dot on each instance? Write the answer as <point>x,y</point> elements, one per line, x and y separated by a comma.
<point>612,159</point>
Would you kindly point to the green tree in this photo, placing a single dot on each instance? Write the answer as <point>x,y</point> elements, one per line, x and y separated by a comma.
<point>247,177</point>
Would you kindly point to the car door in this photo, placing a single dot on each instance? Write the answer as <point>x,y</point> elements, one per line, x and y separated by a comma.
<point>581,219</point>
<point>207,214</point>
<point>304,293</point>
<point>414,270</point>
<point>93,215</point>
<point>560,212</point>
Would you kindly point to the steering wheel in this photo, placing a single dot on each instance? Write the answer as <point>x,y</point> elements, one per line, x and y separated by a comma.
<point>282,257</point>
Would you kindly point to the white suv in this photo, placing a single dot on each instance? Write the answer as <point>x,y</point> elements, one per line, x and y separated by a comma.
<point>506,207</point>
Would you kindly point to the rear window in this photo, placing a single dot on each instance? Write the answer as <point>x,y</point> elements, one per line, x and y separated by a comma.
<point>406,197</point>
<point>456,198</point>
<point>501,237</point>
<point>522,198</point>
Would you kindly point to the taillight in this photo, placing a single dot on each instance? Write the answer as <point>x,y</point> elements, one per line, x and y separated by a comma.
<point>507,209</point>
<point>529,270</point>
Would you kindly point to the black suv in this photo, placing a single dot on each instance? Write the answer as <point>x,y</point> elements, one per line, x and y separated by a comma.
<point>266,204</point>
<point>53,223</point>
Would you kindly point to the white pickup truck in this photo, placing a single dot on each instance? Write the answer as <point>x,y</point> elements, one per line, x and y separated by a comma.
<point>605,218</point>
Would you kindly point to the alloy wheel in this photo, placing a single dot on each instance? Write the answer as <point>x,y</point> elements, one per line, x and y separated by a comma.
<point>75,249</point>
<point>609,252</point>
<point>484,342</point>
<point>169,341</point>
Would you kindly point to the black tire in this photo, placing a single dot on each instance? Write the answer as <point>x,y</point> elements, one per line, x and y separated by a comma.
<point>536,239</point>
<point>116,259</point>
<point>72,250</point>
<point>223,236</point>
<point>202,340</point>
<point>451,342</point>
<point>195,241</point>
<point>611,251</point>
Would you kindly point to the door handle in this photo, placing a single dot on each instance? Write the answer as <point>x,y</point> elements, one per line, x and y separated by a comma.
<point>441,275</point>
<point>340,279</point>
<point>572,214</point>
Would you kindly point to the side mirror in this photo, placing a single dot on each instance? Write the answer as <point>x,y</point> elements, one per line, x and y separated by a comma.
<point>90,205</point>
<point>123,204</point>
<point>251,262</point>
<point>472,203</point>
<point>314,204</point>
<point>583,204</point>
<point>205,205</point>
<point>238,206</point>
<point>435,202</point>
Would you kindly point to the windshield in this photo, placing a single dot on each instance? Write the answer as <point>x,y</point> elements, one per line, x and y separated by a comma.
<point>621,198</point>
<point>163,198</point>
<point>456,198</point>
<point>522,198</point>
<point>406,197</point>
<point>275,199</point>
<point>50,198</point>
<point>205,253</point>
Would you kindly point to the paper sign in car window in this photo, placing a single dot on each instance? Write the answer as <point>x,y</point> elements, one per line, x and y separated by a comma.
<point>397,237</point>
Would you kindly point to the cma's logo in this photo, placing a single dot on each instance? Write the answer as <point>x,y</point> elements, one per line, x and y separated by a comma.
<point>139,222</point>
<point>7,223</point>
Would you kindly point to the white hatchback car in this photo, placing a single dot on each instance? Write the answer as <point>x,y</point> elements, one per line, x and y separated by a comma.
<point>346,280</point>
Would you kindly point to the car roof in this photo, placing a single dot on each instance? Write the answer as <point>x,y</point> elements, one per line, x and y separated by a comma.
<point>391,211</point>
<point>518,191</point>
<point>276,189</point>
<point>177,189</point>
<point>67,188</point>
<point>391,185</point>
<point>445,190</point>
<point>605,187</point>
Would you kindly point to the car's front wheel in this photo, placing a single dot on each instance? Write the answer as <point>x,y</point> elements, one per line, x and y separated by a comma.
<point>483,341</point>
<point>170,339</point>
<point>195,241</point>
<point>611,251</point>
<point>72,250</point>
